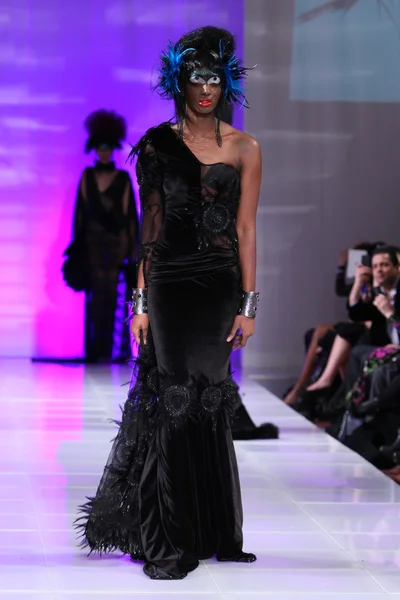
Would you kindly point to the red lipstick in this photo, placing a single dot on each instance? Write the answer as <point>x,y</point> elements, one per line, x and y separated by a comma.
<point>205,102</point>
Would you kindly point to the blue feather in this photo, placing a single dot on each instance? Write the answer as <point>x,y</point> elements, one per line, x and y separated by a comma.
<point>233,73</point>
<point>171,63</point>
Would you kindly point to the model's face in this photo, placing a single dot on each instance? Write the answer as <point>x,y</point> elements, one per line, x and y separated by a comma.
<point>203,90</point>
<point>104,154</point>
<point>384,271</point>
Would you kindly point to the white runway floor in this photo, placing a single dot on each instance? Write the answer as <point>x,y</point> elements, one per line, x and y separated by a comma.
<point>324,524</point>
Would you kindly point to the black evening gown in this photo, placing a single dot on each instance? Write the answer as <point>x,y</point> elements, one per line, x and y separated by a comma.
<point>170,492</point>
<point>109,230</point>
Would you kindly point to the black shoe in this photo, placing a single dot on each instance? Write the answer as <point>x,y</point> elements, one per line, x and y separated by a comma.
<point>156,573</point>
<point>321,393</point>
<point>240,557</point>
<point>266,431</point>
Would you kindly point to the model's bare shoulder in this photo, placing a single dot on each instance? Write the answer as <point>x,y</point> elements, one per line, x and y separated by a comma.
<point>248,144</point>
<point>238,137</point>
<point>248,148</point>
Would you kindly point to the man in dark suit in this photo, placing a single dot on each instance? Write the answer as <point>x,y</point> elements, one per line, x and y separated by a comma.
<point>375,298</point>
<point>377,302</point>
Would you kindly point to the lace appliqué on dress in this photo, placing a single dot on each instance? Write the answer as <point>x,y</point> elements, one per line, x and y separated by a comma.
<point>172,403</point>
<point>155,400</point>
<point>215,223</point>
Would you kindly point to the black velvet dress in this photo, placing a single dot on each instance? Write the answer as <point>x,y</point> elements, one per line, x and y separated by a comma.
<point>170,492</point>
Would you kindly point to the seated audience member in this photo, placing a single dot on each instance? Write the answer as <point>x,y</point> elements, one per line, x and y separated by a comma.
<point>368,403</point>
<point>389,401</point>
<point>347,336</point>
<point>384,393</point>
<point>320,341</point>
<point>342,286</point>
<point>379,304</point>
<point>372,416</point>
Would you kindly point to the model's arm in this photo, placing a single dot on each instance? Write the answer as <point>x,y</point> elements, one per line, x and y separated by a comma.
<point>151,202</point>
<point>246,218</point>
<point>250,183</point>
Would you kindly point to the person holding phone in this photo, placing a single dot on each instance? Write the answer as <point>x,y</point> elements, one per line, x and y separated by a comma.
<point>374,300</point>
<point>329,344</point>
<point>374,296</point>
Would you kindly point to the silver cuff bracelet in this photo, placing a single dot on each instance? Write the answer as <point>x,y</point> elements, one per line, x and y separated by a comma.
<point>139,301</point>
<point>249,304</point>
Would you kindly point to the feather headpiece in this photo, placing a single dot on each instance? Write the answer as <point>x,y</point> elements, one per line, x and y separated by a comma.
<point>217,50</point>
<point>105,127</point>
<point>234,74</point>
<point>171,64</point>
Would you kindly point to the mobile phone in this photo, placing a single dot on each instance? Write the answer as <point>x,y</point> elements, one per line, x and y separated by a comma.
<point>366,261</point>
<point>354,258</point>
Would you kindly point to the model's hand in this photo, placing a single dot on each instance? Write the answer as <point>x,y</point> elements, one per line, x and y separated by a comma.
<point>384,306</point>
<point>140,328</point>
<point>242,329</point>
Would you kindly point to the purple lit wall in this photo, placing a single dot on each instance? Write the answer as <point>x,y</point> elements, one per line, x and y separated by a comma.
<point>58,62</point>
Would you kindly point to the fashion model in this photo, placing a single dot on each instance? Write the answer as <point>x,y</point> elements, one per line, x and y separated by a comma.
<point>170,493</point>
<point>105,220</point>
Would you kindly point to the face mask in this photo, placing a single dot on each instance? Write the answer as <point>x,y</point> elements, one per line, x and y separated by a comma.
<point>204,77</point>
